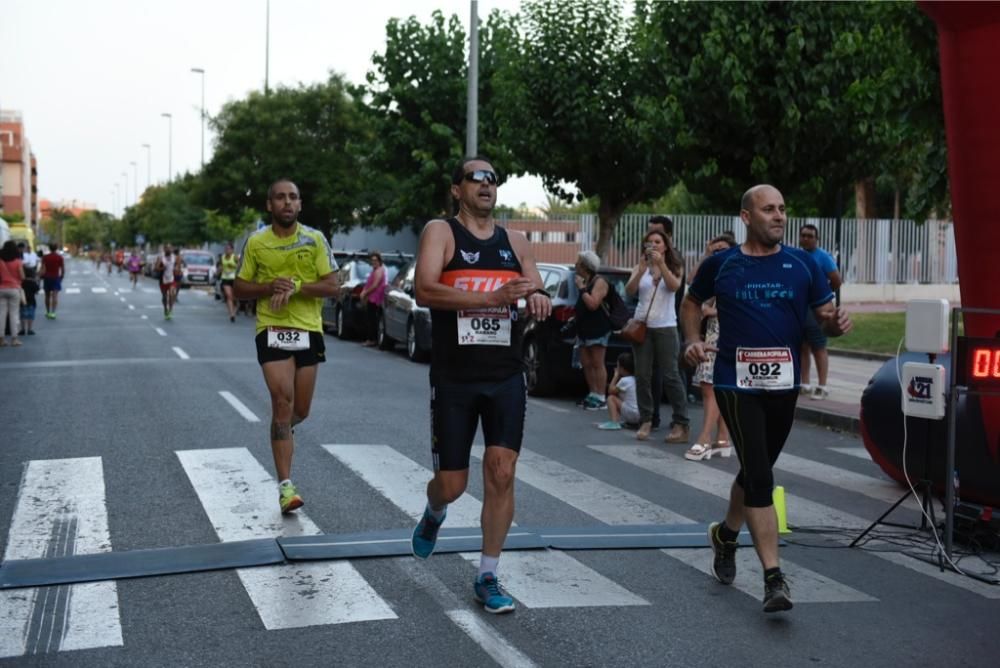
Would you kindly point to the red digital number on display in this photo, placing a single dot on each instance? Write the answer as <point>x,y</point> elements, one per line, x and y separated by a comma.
<point>986,363</point>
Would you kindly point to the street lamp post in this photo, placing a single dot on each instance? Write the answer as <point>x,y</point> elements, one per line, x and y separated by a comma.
<point>125,200</point>
<point>472,105</point>
<point>170,145</point>
<point>267,45</point>
<point>198,70</point>
<point>135,182</point>
<point>149,164</point>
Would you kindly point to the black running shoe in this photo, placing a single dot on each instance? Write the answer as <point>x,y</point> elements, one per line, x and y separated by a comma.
<point>776,595</point>
<point>724,555</point>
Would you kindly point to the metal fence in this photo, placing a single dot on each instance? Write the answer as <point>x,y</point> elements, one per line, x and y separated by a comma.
<point>870,251</point>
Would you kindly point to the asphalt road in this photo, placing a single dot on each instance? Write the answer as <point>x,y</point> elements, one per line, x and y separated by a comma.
<point>116,436</point>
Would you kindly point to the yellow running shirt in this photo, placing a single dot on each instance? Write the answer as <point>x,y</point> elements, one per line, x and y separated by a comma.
<point>303,255</point>
<point>229,265</point>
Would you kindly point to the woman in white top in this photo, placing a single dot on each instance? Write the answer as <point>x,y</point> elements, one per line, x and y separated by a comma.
<point>656,278</point>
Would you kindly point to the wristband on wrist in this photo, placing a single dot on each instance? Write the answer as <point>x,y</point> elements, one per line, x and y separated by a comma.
<point>540,291</point>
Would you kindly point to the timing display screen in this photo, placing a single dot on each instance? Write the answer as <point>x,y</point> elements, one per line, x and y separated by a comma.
<point>978,362</point>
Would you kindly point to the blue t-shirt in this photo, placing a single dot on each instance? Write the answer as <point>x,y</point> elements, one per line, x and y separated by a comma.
<point>825,261</point>
<point>762,303</point>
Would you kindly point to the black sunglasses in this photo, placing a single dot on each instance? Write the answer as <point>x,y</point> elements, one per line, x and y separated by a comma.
<point>481,175</point>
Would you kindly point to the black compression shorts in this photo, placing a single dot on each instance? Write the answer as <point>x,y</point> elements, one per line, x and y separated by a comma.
<point>457,408</point>
<point>759,424</point>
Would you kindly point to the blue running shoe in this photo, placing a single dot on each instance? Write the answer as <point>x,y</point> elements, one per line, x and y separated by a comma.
<point>492,595</point>
<point>425,535</point>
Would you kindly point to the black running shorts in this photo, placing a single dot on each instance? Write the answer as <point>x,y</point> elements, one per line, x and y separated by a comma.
<point>457,409</point>
<point>759,424</point>
<point>315,354</point>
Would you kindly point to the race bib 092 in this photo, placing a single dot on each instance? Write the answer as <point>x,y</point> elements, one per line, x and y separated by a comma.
<point>765,368</point>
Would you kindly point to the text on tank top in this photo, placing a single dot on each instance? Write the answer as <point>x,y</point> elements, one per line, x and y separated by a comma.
<point>482,343</point>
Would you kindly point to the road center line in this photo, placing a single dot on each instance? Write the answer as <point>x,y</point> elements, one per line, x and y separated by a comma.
<point>160,331</point>
<point>180,353</point>
<point>239,406</point>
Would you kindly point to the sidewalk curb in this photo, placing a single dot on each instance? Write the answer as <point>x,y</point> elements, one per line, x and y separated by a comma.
<point>860,354</point>
<point>835,421</point>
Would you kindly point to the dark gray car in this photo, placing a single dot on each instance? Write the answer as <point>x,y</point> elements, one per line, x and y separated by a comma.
<point>403,321</point>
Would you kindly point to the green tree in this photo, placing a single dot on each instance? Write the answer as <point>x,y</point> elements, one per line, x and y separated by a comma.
<point>315,135</point>
<point>417,105</point>
<point>54,226</point>
<point>808,96</point>
<point>574,106</point>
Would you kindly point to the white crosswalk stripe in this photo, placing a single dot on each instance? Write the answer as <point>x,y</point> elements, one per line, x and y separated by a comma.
<point>241,500</point>
<point>801,511</point>
<point>860,453</point>
<point>537,578</point>
<point>612,505</point>
<point>881,489</point>
<point>60,511</point>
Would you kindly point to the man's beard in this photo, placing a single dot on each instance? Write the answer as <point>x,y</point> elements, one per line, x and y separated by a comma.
<point>283,223</point>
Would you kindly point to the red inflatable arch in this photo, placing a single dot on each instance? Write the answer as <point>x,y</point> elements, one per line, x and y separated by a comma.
<point>969,44</point>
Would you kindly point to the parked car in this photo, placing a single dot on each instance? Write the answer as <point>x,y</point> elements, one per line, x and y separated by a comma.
<point>547,346</point>
<point>403,320</point>
<point>344,314</point>
<point>199,268</point>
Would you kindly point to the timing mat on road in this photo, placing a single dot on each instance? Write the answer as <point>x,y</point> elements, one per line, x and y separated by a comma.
<point>389,543</point>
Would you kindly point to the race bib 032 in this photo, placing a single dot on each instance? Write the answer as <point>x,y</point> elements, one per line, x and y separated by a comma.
<point>287,338</point>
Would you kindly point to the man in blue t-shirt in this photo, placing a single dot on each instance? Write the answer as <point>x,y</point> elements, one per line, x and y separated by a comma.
<point>763,291</point>
<point>815,338</point>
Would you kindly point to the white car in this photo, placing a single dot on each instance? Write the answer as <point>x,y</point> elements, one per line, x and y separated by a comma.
<point>199,268</point>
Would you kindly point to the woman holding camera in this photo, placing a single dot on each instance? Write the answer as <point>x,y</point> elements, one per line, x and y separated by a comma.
<point>656,278</point>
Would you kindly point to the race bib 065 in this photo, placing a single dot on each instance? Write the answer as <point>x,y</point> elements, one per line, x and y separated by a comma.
<point>484,327</point>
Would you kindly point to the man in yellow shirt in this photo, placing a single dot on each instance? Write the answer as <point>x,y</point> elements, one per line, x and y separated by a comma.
<point>288,269</point>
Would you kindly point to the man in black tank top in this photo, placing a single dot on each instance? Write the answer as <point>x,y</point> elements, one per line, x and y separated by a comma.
<point>471,273</point>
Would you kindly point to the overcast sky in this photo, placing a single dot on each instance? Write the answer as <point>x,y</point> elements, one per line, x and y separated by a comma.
<point>92,77</point>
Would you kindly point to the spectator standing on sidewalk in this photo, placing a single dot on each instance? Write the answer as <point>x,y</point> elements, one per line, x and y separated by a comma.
<point>705,446</point>
<point>372,296</point>
<point>656,278</point>
<point>815,339</point>
<point>11,276</point>
<point>665,224</point>
<point>593,328</point>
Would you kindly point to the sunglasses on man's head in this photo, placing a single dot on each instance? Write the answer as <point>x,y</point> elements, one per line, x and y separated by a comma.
<point>481,175</point>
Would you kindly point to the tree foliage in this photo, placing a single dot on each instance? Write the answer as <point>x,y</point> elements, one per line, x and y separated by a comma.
<point>808,96</point>
<point>576,108</point>
<point>417,105</point>
<point>314,135</point>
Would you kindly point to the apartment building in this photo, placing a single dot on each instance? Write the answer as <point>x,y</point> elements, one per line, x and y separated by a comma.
<point>18,170</point>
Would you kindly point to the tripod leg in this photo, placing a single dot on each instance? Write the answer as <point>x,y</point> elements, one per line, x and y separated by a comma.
<point>881,517</point>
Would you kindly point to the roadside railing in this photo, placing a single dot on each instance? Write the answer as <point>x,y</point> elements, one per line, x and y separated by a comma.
<point>869,251</point>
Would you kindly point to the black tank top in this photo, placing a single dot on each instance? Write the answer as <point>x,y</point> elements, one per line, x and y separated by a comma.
<point>480,344</point>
